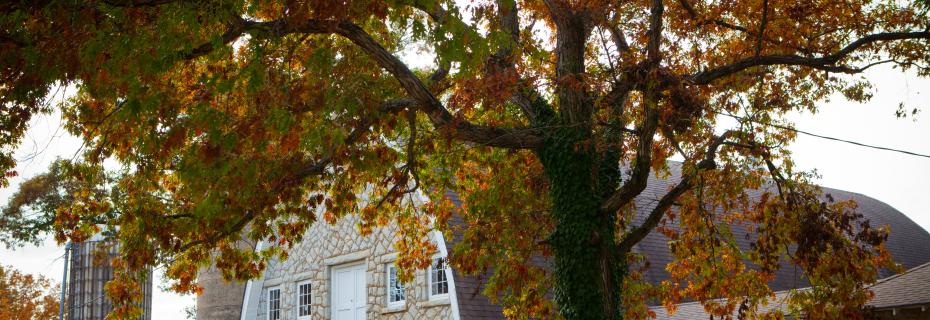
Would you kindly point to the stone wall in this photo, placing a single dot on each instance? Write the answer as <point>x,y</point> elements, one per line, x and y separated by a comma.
<point>326,246</point>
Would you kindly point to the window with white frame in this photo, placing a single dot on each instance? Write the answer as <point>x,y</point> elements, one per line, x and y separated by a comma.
<point>395,294</point>
<point>303,299</point>
<point>274,303</point>
<point>438,282</point>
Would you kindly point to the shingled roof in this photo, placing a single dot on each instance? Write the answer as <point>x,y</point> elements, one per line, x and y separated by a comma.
<point>471,302</point>
<point>908,243</point>
<point>695,310</point>
<point>908,288</point>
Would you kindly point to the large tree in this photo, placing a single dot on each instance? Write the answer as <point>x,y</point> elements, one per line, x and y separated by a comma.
<point>232,117</point>
<point>26,297</point>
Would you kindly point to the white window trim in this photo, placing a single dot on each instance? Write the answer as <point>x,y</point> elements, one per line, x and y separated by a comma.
<point>268,303</point>
<point>440,242</point>
<point>429,280</point>
<point>297,309</point>
<point>387,297</point>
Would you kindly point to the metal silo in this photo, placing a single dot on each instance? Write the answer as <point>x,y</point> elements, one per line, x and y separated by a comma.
<point>87,271</point>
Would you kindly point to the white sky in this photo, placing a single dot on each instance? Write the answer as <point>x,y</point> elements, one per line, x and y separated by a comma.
<point>903,181</point>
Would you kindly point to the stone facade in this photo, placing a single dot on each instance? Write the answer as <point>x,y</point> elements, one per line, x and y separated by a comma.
<point>326,246</point>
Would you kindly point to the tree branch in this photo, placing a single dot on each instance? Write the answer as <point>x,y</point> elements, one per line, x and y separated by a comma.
<point>571,36</point>
<point>694,15</point>
<point>616,35</point>
<point>559,10</point>
<point>655,32</point>
<point>429,104</point>
<point>526,98</point>
<point>436,12</point>
<point>647,131</point>
<point>641,167</point>
<point>615,100</point>
<point>460,129</point>
<point>137,3</point>
<point>238,26</point>
<point>687,182</point>
<point>826,63</point>
<point>220,234</point>
<point>762,25</point>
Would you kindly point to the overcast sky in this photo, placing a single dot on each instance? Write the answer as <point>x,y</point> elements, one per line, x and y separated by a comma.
<point>903,181</point>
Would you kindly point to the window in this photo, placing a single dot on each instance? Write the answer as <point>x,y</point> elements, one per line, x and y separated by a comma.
<point>303,299</point>
<point>274,303</point>
<point>395,288</point>
<point>438,283</point>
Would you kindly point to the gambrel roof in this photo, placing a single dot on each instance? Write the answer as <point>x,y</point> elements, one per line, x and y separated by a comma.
<point>908,243</point>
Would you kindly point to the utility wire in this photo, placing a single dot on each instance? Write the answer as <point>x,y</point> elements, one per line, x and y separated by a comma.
<point>822,136</point>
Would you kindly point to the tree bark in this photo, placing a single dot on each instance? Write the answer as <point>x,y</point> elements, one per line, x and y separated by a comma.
<point>570,44</point>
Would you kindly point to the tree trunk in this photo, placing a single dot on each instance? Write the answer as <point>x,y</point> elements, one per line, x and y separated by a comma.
<point>587,272</point>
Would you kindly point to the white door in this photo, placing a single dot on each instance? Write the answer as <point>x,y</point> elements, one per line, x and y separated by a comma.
<point>349,295</point>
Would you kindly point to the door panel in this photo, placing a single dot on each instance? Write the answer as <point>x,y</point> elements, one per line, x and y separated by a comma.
<point>349,292</point>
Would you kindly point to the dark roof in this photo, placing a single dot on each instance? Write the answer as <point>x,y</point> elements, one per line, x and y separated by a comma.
<point>473,304</point>
<point>908,288</point>
<point>695,310</point>
<point>908,243</point>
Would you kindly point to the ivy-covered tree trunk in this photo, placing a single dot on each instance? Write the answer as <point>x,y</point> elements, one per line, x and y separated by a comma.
<point>587,268</point>
<point>588,271</point>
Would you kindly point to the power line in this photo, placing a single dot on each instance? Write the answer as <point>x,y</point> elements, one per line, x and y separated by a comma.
<point>822,136</point>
